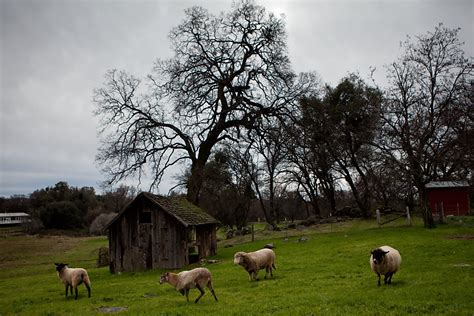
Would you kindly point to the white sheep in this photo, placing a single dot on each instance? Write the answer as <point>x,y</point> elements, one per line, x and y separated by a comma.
<point>385,261</point>
<point>254,261</point>
<point>73,277</point>
<point>186,280</point>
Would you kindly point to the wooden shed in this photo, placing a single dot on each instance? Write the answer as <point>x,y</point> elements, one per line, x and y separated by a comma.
<point>449,197</point>
<point>160,232</point>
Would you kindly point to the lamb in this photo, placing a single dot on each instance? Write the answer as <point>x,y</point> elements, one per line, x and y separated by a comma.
<point>385,260</point>
<point>254,261</point>
<point>73,277</point>
<point>186,280</point>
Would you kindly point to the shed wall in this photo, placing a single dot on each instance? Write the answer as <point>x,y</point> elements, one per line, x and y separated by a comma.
<point>137,246</point>
<point>455,201</point>
<point>206,240</point>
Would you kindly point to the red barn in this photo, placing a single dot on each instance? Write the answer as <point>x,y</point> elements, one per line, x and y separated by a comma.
<point>451,196</point>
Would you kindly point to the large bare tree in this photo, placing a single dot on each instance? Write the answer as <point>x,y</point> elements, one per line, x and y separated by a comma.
<point>227,72</point>
<point>427,110</point>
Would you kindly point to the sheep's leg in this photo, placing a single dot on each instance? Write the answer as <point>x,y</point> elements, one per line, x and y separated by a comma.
<point>209,285</point>
<point>88,288</point>
<point>200,290</point>
<point>378,283</point>
<point>268,270</point>
<point>67,287</point>
<point>75,289</point>
<point>186,291</point>
<point>389,278</point>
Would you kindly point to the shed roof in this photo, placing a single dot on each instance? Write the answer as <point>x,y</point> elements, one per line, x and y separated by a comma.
<point>446,184</point>
<point>184,211</point>
<point>18,214</point>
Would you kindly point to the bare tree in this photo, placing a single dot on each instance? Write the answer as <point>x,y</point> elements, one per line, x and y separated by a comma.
<point>427,109</point>
<point>267,146</point>
<point>227,72</point>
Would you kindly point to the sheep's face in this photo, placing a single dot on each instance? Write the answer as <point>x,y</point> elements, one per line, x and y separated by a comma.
<point>60,266</point>
<point>164,277</point>
<point>239,258</point>
<point>378,255</point>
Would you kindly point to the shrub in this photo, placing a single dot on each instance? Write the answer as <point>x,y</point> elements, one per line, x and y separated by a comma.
<point>61,215</point>
<point>99,223</point>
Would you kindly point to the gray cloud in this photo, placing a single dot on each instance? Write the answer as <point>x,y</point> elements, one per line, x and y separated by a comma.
<point>54,53</point>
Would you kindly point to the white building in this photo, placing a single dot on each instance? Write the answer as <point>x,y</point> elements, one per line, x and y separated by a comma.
<point>13,219</point>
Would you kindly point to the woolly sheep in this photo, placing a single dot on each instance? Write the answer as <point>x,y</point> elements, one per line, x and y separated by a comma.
<point>385,261</point>
<point>254,261</point>
<point>186,280</point>
<point>73,277</point>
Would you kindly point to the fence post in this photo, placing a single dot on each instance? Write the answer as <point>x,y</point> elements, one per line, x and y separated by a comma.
<point>377,213</point>
<point>408,216</point>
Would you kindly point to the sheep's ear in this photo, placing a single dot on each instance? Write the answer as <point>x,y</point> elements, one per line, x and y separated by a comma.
<point>385,252</point>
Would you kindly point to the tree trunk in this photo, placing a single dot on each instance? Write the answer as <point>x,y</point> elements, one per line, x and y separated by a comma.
<point>267,213</point>
<point>316,208</point>
<point>330,195</point>
<point>428,219</point>
<point>195,182</point>
<point>362,202</point>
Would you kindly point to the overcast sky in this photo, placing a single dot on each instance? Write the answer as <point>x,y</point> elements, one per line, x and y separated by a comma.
<point>54,53</point>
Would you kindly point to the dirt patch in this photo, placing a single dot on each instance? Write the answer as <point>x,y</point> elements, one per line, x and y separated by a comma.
<point>150,295</point>
<point>115,309</point>
<point>462,237</point>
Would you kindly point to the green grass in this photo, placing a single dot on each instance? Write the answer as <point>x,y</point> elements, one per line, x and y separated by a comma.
<point>329,274</point>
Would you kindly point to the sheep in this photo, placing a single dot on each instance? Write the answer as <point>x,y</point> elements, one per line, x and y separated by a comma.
<point>385,260</point>
<point>73,277</point>
<point>186,280</point>
<point>254,261</point>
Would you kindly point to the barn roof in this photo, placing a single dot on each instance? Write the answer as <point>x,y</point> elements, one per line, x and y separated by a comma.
<point>185,212</point>
<point>446,184</point>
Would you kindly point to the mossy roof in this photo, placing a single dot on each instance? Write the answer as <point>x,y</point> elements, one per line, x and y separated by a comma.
<point>184,211</point>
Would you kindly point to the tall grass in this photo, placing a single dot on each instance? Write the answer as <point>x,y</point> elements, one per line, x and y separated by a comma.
<point>328,274</point>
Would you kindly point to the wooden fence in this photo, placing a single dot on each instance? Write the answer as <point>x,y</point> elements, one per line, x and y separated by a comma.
<point>392,216</point>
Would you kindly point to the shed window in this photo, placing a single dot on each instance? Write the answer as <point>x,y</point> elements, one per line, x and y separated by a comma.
<point>145,217</point>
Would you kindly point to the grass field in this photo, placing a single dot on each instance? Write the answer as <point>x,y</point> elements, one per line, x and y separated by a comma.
<point>328,274</point>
